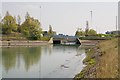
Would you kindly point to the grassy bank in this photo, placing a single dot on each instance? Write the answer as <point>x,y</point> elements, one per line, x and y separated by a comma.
<point>20,37</point>
<point>101,61</point>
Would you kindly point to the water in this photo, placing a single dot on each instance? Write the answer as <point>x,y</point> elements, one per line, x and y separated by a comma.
<point>42,61</point>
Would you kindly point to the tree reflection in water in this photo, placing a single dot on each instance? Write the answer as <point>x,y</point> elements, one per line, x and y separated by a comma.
<point>11,56</point>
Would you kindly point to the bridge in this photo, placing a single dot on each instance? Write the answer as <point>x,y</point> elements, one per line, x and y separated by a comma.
<point>65,40</point>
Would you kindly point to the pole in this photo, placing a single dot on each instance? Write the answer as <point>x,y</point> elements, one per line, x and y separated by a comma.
<point>116,23</point>
<point>40,14</point>
<point>40,61</point>
<point>91,18</point>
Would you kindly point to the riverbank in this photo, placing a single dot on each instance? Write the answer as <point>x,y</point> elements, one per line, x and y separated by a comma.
<point>38,42</point>
<point>90,42</point>
<point>101,61</point>
<point>23,43</point>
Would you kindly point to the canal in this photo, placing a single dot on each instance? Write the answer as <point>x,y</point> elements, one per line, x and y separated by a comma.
<point>42,61</point>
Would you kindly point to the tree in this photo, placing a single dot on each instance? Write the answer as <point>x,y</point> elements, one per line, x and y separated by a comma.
<point>50,31</point>
<point>8,24</point>
<point>31,28</point>
<point>7,13</point>
<point>79,32</point>
<point>18,22</point>
<point>18,19</point>
<point>27,15</point>
<point>92,32</point>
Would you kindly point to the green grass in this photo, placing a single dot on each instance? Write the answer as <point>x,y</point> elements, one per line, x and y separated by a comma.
<point>88,59</point>
<point>19,36</point>
<point>45,38</point>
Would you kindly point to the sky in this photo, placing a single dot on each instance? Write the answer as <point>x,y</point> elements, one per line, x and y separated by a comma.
<point>67,17</point>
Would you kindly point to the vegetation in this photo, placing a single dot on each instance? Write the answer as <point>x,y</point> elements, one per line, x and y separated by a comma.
<point>90,32</point>
<point>50,31</point>
<point>18,22</point>
<point>8,24</point>
<point>88,59</point>
<point>13,29</point>
<point>108,64</point>
<point>101,61</point>
<point>31,28</point>
<point>45,38</point>
<point>80,32</point>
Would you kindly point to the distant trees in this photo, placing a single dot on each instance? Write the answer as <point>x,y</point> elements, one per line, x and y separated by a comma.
<point>80,32</point>
<point>88,32</point>
<point>8,24</point>
<point>30,28</point>
<point>50,31</point>
<point>92,32</point>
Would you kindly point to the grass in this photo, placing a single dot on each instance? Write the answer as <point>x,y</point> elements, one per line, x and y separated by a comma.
<point>106,64</point>
<point>45,38</point>
<point>91,62</point>
<point>19,36</point>
<point>88,59</point>
<point>13,36</point>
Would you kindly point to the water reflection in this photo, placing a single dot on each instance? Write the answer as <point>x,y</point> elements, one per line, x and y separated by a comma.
<point>13,55</point>
<point>8,58</point>
<point>42,61</point>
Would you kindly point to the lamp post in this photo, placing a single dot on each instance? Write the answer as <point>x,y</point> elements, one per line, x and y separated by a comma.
<point>40,62</point>
<point>116,23</point>
<point>91,17</point>
<point>40,13</point>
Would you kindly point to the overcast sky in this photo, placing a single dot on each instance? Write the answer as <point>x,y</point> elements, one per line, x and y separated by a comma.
<point>66,17</point>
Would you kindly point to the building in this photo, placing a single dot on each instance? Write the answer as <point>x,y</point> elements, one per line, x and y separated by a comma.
<point>113,32</point>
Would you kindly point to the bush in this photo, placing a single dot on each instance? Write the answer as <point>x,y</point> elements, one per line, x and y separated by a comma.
<point>45,38</point>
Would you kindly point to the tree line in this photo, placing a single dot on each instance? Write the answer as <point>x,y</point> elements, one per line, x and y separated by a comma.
<point>87,32</point>
<point>30,28</point>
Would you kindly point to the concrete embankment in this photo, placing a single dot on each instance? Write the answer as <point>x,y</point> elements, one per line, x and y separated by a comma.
<point>22,43</point>
<point>32,43</point>
<point>89,42</point>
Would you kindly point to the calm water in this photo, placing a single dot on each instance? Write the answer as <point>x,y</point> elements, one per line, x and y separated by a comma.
<point>42,62</point>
